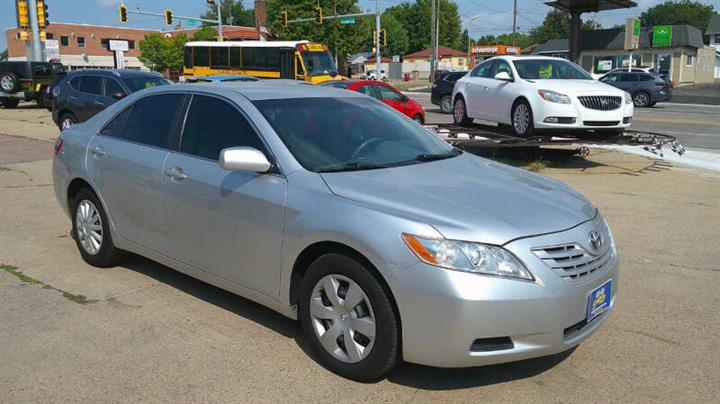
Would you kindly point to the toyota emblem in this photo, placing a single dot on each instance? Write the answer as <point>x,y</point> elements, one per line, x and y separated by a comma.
<point>595,240</point>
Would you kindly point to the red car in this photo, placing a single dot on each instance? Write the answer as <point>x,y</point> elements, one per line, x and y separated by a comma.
<point>385,93</point>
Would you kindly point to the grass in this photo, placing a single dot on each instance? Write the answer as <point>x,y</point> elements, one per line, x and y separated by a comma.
<point>536,166</point>
<point>13,270</point>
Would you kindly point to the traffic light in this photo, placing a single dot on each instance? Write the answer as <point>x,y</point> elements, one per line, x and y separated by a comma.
<point>284,18</point>
<point>123,13</point>
<point>318,15</point>
<point>23,18</point>
<point>168,16</point>
<point>374,40</point>
<point>42,21</point>
<point>383,38</point>
<point>43,35</point>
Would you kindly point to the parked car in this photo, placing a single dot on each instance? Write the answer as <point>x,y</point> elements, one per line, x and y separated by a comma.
<point>49,93</point>
<point>385,93</point>
<point>25,81</point>
<point>219,78</point>
<point>386,243</point>
<point>637,70</point>
<point>646,89</point>
<point>539,93</point>
<point>84,93</point>
<point>372,75</point>
<point>442,89</point>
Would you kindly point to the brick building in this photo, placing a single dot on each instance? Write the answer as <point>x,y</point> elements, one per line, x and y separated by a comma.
<point>85,45</point>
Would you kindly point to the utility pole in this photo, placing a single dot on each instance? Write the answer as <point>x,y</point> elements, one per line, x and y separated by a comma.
<point>514,22</point>
<point>432,40</point>
<point>36,47</point>
<point>220,34</point>
<point>378,57</point>
<point>437,33</point>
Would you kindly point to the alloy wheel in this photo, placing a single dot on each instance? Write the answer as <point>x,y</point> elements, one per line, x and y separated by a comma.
<point>641,100</point>
<point>6,83</point>
<point>521,118</point>
<point>342,318</point>
<point>446,104</point>
<point>89,227</point>
<point>459,111</point>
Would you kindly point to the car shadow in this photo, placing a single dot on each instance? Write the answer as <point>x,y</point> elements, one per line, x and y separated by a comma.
<point>431,378</point>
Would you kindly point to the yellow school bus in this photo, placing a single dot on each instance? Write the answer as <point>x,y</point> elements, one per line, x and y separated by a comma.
<point>298,60</point>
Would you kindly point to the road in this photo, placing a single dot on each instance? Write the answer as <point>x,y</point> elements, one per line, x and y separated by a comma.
<point>696,126</point>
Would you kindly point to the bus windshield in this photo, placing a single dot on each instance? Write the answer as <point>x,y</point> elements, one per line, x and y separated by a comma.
<point>319,63</point>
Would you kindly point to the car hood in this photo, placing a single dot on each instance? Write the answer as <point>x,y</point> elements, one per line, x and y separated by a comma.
<point>593,87</point>
<point>468,198</point>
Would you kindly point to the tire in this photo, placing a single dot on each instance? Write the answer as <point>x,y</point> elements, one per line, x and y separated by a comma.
<point>446,105</point>
<point>419,119</point>
<point>9,82</point>
<point>522,119</point>
<point>460,116</point>
<point>10,103</point>
<point>652,104</point>
<point>67,120</point>
<point>641,99</point>
<point>89,220</point>
<point>344,274</point>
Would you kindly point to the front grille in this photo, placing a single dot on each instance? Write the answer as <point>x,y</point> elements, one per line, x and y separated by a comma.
<point>601,102</point>
<point>572,261</point>
<point>600,123</point>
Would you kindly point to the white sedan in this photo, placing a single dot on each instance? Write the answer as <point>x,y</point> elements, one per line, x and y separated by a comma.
<point>531,93</point>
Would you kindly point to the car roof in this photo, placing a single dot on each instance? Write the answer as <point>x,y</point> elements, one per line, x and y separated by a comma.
<point>263,90</point>
<point>125,73</point>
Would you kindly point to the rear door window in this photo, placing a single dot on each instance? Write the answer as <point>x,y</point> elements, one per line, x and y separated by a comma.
<point>91,85</point>
<point>152,119</point>
<point>367,89</point>
<point>116,127</point>
<point>213,124</point>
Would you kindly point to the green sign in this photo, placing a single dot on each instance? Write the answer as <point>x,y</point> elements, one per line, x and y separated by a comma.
<point>662,35</point>
<point>347,20</point>
<point>192,23</point>
<point>636,27</point>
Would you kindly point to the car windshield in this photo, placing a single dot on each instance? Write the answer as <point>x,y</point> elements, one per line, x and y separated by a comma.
<point>550,69</point>
<point>319,63</point>
<point>139,83</point>
<point>350,134</point>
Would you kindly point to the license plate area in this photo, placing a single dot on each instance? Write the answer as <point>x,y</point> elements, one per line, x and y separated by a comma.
<point>599,300</point>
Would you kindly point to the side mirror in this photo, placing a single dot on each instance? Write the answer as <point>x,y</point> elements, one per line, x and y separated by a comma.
<point>504,76</point>
<point>405,98</point>
<point>244,159</point>
<point>118,95</point>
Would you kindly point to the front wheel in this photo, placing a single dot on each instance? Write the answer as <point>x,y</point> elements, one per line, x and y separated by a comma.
<point>460,116</point>
<point>522,119</point>
<point>446,104</point>
<point>349,318</point>
<point>419,119</point>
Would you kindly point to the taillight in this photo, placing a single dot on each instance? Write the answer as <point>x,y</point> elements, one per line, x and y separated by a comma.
<point>58,145</point>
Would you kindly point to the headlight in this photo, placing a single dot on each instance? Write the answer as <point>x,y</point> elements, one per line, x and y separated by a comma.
<point>468,257</point>
<point>628,98</point>
<point>552,96</point>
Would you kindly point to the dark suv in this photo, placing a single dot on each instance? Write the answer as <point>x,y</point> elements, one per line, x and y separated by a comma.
<point>84,93</point>
<point>647,89</point>
<point>442,90</point>
<point>25,81</point>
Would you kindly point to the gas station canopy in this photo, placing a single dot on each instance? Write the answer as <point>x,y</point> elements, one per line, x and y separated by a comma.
<point>590,6</point>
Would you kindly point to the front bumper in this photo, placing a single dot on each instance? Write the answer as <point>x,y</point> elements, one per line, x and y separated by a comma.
<point>584,118</point>
<point>443,312</point>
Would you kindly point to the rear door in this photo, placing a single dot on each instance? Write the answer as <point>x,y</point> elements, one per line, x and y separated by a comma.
<point>90,89</point>
<point>125,161</point>
<point>227,223</point>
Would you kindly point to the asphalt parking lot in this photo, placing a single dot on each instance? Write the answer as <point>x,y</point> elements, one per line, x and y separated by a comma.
<point>144,332</point>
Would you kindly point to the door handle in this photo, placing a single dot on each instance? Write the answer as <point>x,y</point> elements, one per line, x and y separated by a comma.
<point>176,174</point>
<point>73,97</point>
<point>98,151</point>
<point>100,103</point>
<point>485,88</point>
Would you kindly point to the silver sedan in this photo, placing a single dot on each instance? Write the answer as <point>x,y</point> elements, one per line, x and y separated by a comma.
<point>385,242</point>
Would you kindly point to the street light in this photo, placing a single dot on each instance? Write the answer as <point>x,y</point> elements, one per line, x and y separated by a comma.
<point>469,36</point>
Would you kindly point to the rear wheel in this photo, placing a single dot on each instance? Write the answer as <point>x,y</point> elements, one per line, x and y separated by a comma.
<point>348,318</point>
<point>91,230</point>
<point>67,121</point>
<point>10,103</point>
<point>9,82</point>
<point>641,99</point>
<point>460,116</point>
<point>419,119</point>
<point>522,119</point>
<point>446,104</point>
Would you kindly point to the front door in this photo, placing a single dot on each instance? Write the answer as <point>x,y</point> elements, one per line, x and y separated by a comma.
<point>498,99</point>
<point>287,69</point>
<point>477,87</point>
<point>227,223</point>
<point>125,162</point>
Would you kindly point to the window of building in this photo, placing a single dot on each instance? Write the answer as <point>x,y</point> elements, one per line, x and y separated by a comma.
<point>49,35</point>
<point>105,42</point>
<point>81,42</point>
<point>690,60</point>
<point>131,44</point>
<point>64,41</point>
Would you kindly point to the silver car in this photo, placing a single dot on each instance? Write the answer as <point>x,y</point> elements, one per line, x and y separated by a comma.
<point>385,242</point>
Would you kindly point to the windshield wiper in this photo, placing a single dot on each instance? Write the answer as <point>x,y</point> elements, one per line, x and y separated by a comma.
<point>352,166</point>
<point>437,156</point>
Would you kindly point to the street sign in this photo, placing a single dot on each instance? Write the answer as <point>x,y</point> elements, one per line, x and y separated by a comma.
<point>662,35</point>
<point>347,20</point>
<point>52,50</point>
<point>115,45</point>
<point>192,23</point>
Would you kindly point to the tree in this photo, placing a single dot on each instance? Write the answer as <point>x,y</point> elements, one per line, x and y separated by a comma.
<point>556,25</point>
<point>233,13</point>
<point>397,37</point>
<point>415,17</point>
<point>343,39</point>
<point>689,12</point>
<point>464,40</point>
<point>521,40</point>
<point>153,50</point>
<point>205,34</point>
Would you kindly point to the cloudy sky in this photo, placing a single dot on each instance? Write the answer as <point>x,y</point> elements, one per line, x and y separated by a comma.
<point>480,16</point>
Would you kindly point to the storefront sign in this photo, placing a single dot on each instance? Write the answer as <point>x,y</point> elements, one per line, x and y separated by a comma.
<point>662,35</point>
<point>494,50</point>
<point>52,50</point>
<point>632,33</point>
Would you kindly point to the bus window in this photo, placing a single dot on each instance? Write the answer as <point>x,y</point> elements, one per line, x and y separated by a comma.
<point>261,58</point>
<point>200,56</point>
<point>188,57</point>
<point>235,57</point>
<point>218,57</point>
